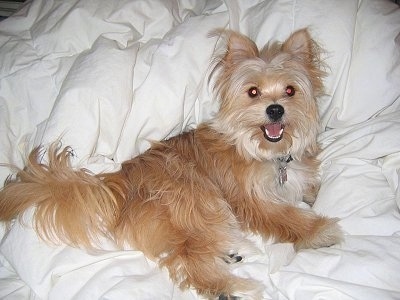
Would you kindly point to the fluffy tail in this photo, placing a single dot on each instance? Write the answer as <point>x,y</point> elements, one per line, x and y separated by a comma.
<point>72,206</point>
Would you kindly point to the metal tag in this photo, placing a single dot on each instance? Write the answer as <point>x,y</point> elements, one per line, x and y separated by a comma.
<point>282,175</point>
<point>282,170</point>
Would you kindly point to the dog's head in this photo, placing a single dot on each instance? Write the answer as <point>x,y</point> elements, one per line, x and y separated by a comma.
<point>268,97</point>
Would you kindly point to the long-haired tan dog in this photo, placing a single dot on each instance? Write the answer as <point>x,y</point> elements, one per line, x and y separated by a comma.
<point>186,201</point>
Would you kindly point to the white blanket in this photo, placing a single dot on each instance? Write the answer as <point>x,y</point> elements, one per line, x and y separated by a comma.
<point>109,76</point>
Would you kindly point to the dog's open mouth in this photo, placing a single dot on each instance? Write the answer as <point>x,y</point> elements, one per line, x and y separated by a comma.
<point>273,132</point>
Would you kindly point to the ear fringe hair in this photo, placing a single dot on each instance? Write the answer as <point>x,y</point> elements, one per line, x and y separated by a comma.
<point>234,48</point>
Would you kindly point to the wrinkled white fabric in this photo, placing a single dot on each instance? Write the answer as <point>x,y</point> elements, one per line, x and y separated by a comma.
<point>107,77</point>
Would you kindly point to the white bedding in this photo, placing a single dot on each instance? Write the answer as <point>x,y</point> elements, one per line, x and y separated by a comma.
<point>108,76</point>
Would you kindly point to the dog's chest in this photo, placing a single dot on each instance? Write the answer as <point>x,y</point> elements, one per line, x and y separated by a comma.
<point>296,181</point>
<point>286,180</point>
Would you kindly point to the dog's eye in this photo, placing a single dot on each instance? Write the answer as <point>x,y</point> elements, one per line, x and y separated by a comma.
<point>290,91</point>
<point>253,92</point>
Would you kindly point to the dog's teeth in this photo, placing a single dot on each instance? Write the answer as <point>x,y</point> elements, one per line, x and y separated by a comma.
<point>273,131</point>
<point>274,136</point>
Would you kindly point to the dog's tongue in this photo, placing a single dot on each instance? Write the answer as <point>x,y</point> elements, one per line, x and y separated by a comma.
<point>273,129</point>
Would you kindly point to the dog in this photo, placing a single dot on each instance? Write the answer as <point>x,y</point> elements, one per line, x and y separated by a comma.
<point>187,200</point>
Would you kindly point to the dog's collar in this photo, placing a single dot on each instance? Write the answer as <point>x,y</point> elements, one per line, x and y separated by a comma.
<point>282,168</point>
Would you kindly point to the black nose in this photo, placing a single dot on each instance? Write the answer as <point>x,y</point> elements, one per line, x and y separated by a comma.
<point>275,112</point>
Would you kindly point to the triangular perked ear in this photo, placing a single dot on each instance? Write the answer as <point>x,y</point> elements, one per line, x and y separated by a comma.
<point>300,45</point>
<point>238,47</point>
<point>303,49</point>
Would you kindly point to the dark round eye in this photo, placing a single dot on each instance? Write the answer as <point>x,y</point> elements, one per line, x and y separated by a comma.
<point>253,92</point>
<point>290,91</point>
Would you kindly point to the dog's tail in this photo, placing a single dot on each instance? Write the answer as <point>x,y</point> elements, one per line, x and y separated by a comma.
<point>71,206</point>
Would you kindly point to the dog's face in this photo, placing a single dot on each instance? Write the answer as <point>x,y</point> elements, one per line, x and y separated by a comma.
<point>268,107</point>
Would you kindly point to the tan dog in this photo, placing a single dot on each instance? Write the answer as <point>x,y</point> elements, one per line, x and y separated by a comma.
<point>186,201</point>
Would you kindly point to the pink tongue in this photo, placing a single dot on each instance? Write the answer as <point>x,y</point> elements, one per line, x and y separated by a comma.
<point>273,129</point>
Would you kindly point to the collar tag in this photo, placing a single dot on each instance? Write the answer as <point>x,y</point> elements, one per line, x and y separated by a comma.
<point>282,169</point>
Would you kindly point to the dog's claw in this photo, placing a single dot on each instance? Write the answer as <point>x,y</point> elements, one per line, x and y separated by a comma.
<point>232,258</point>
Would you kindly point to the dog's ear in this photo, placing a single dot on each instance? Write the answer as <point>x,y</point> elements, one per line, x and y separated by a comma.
<point>301,46</point>
<point>238,46</point>
<point>303,49</point>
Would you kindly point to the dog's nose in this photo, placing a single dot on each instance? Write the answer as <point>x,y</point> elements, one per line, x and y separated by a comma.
<point>275,112</point>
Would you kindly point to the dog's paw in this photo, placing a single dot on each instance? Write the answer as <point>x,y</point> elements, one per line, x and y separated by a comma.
<point>228,297</point>
<point>327,232</point>
<point>241,288</point>
<point>232,258</point>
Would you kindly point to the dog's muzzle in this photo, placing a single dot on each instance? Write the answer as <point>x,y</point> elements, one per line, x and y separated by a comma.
<point>273,131</point>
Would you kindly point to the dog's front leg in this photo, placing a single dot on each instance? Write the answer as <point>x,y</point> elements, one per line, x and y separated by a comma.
<point>287,223</point>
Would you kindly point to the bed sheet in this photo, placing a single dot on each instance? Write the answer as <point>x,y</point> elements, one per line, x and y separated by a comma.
<point>108,77</point>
